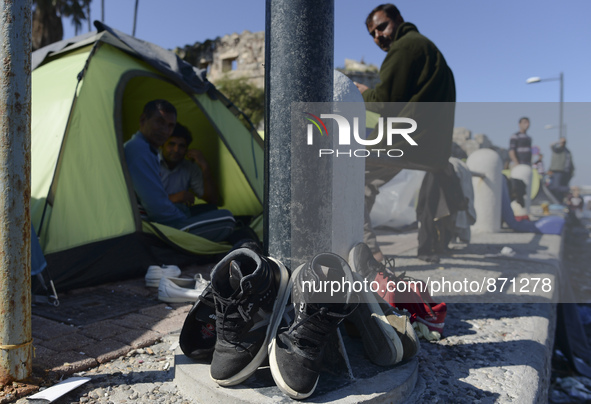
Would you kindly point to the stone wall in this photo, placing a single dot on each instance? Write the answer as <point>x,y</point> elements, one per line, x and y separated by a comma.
<point>231,56</point>
<point>466,144</point>
<point>361,72</point>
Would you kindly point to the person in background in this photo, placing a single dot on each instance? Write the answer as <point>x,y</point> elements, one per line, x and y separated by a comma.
<point>520,144</point>
<point>538,161</point>
<point>561,169</point>
<point>414,70</point>
<point>575,202</point>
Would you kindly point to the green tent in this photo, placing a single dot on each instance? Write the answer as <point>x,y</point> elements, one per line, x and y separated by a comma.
<point>87,96</point>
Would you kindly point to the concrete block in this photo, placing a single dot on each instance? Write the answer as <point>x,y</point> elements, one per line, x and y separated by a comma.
<point>327,191</point>
<point>523,172</point>
<point>392,385</point>
<point>487,190</point>
<point>348,182</point>
<point>470,146</point>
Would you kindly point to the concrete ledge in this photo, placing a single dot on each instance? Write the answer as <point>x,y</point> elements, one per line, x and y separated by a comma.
<point>387,385</point>
<point>494,349</point>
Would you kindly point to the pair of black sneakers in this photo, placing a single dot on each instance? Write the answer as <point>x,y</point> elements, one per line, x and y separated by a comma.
<point>240,318</point>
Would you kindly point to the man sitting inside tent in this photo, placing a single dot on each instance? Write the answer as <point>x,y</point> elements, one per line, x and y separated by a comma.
<point>157,123</point>
<point>185,174</point>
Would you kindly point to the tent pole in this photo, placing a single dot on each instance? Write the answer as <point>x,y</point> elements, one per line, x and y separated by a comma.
<point>15,190</point>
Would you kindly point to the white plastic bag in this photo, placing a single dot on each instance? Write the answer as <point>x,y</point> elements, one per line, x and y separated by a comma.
<point>395,204</point>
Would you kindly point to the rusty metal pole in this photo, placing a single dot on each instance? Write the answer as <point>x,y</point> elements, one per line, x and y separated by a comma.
<point>15,190</point>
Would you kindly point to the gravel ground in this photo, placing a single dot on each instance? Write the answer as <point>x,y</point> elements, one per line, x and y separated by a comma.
<point>142,376</point>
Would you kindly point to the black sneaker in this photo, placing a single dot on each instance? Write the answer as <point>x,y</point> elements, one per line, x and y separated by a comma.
<point>198,336</point>
<point>295,354</point>
<point>381,343</point>
<point>400,322</point>
<point>250,294</point>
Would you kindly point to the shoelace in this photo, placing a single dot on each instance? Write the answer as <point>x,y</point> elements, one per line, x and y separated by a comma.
<point>387,270</point>
<point>207,297</point>
<point>317,329</point>
<point>390,264</point>
<point>388,273</point>
<point>230,323</point>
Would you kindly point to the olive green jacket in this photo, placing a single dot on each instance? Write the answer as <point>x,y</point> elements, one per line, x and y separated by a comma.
<point>414,70</point>
<point>416,77</point>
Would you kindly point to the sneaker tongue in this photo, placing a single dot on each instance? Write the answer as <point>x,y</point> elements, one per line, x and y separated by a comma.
<point>235,275</point>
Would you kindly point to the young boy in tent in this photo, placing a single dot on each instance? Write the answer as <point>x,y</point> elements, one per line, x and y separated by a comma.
<point>157,123</point>
<point>185,173</point>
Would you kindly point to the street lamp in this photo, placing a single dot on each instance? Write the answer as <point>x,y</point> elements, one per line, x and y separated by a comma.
<point>532,80</point>
<point>548,126</point>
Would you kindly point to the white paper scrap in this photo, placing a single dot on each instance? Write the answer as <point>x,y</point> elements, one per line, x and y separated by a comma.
<point>52,393</point>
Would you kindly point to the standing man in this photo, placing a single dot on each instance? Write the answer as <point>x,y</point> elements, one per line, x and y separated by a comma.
<point>157,123</point>
<point>520,144</point>
<point>414,70</point>
<point>561,169</point>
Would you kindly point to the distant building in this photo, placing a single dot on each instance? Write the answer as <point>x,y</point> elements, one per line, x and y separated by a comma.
<point>243,55</point>
<point>361,72</point>
<point>231,56</point>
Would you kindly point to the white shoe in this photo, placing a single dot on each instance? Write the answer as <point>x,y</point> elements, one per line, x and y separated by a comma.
<point>155,273</point>
<point>180,290</point>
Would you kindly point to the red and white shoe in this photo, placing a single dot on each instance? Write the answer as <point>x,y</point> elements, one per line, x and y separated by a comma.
<point>400,291</point>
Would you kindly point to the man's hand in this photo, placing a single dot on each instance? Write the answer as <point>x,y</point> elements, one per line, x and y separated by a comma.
<point>361,87</point>
<point>210,190</point>
<point>185,197</point>
<point>197,157</point>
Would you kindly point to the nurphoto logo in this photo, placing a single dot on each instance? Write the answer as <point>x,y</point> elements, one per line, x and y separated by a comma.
<point>392,129</point>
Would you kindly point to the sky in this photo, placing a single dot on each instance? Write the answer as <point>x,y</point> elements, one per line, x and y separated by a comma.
<point>492,48</point>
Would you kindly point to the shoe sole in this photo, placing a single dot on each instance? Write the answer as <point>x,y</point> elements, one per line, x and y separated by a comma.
<point>432,326</point>
<point>378,333</point>
<point>297,395</point>
<point>351,260</point>
<point>155,282</point>
<point>180,299</point>
<point>275,372</point>
<point>379,320</point>
<point>406,333</point>
<point>179,290</point>
<point>278,309</point>
<point>152,283</point>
